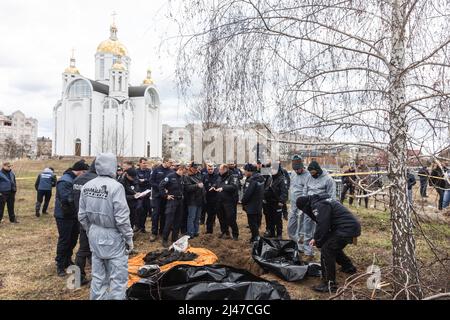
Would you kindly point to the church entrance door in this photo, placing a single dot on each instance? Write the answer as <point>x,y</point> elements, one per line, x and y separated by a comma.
<point>78,147</point>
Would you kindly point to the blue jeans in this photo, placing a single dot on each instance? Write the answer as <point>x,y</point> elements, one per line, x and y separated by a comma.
<point>193,220</point>
<point>446,201</point>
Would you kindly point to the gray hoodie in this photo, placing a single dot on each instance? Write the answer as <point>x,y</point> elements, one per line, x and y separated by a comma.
<point>324,184</point>
<point>104,212</point>
<point>298,186</point>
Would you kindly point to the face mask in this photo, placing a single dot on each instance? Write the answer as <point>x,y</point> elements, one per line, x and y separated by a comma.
<point>315,175</point>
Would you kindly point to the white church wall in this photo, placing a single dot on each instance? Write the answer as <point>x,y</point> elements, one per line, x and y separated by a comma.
<point>139,128</point>
<point>97,120</point>
<point>76,127</point>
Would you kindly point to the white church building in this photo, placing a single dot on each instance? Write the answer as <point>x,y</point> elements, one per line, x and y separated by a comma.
<point>107,114</point>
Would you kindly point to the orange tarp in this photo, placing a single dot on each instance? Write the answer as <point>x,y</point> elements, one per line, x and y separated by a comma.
<point>205,257</point>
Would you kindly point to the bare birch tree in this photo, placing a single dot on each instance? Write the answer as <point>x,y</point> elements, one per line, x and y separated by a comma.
<point>369,72</point>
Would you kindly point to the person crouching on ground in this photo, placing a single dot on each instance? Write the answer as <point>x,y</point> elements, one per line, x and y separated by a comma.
<point>105,216</point>
<point>336,228</point>
<point>252,200</point>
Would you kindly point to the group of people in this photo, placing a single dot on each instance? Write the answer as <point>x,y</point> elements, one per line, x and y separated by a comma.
<point>103,205</point>
<point>358,180</point>
<point>436,179</point>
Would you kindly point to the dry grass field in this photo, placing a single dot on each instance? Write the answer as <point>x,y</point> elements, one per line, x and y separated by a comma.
<point>27,250</point>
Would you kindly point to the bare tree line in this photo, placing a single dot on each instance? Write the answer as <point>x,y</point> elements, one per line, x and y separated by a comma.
<point>10,148</point>
<point>364,72</point>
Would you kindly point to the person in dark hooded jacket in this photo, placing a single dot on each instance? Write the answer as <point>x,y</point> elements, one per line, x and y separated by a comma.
<point>336,228</point>
<point>275,198</point>
<point>252,198</point>
<point>84,252</point>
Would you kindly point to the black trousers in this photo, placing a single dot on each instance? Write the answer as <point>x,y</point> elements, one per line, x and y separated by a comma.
<point>84,251</point>
<point>43,196</point>
<point>423,188</point>
<point>210,212</point>
<point>274,219</point>
<point>173,219</point>
<point>332,252</point>
<point>366,199</point>
<point>68,231</point>
<point>184,217</point>
<point>351,190</point>
<point>227,214</point>
<point>134,213</point>
<point>203,215</point>
<point>158,216</point>
<point>440,193</point>
<point>145,210</point>
<point>285,211</point>
<point>8,199</point>
<point>253,222</point>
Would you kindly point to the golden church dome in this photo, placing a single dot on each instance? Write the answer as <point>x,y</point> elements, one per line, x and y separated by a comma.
<point>149,80</point>
<point>118,66</point>
<point>112,45</point>
<point>72,70</point>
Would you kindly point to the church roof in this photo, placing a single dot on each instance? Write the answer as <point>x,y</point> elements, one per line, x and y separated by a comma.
<point>100,87</point>
<point>138,91</point>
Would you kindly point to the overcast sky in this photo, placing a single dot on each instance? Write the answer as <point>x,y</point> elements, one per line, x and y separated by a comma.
<point>37,38</point>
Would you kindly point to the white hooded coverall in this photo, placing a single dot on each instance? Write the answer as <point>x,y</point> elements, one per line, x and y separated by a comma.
<point>105,216</point>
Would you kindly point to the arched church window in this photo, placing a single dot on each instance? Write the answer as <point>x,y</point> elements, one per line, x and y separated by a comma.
<point>79,89</point>
<point>150,99</point>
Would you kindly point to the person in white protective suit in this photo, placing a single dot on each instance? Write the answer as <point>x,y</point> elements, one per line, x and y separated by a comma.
<point>299,176</point>
<point>104,214</point>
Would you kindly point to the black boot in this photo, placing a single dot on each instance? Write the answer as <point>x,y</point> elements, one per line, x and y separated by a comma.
<point>61,272</point>
<point>224,235</point>
<point>268,234</point>
<point>326,287</point>
<point>38,209</point>
<point>84,281</point>
<point>349,269</point>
